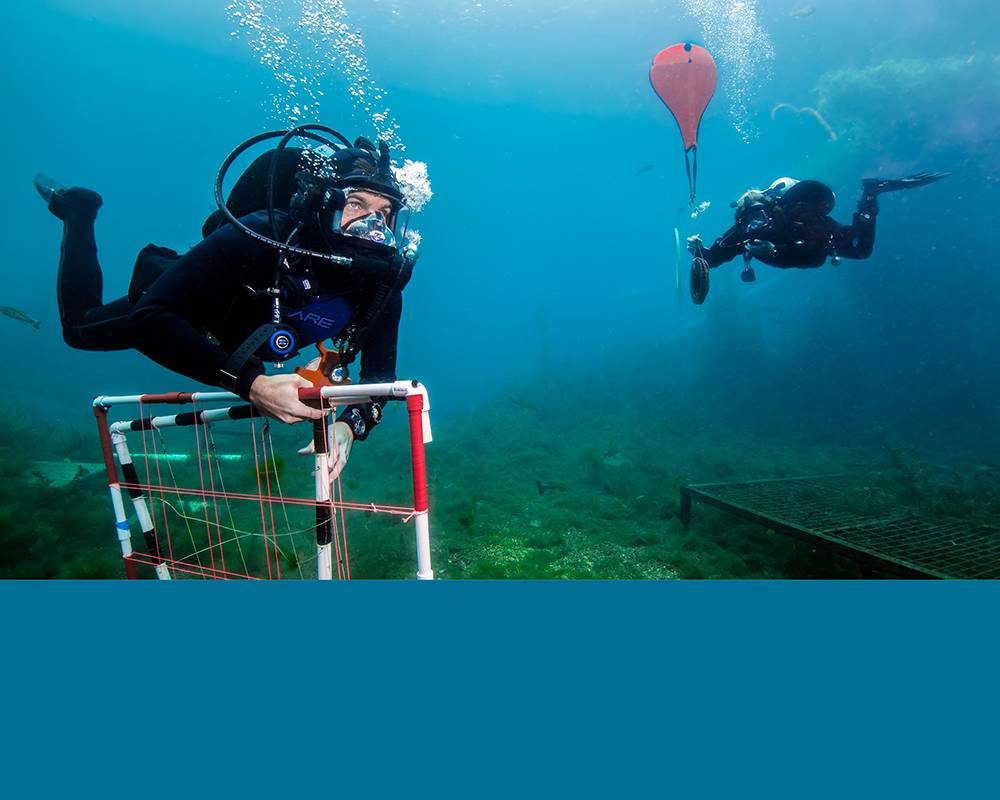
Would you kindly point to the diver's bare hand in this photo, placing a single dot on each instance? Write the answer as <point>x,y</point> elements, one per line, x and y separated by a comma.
<point>695,245</point>
<point>340,439</point>
<point>278,396</point>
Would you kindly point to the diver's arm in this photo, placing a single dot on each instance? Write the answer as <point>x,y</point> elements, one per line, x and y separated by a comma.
<point>378,365</point>
<point>800,253</point>
<point>726,247</point>
<point>170,322</point>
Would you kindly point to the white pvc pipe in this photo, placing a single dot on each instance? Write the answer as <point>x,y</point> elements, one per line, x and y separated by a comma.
<point>424,571</point>
<point>170,421</point>
<point>196,397</point>
<point>367,392</point>
<point>121,520</point>
<point>324,554</point>
<point>139,501</point>
<point>121,448</point>
<point>142,511</point>
<point>321,476</point>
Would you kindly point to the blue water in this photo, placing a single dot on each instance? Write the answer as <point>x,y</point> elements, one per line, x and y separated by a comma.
<point>548,249</point>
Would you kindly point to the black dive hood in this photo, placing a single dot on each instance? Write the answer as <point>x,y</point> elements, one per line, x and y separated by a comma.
<point>331,169</point>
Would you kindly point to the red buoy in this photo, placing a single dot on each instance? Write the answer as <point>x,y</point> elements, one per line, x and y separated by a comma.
<point>684,76</point>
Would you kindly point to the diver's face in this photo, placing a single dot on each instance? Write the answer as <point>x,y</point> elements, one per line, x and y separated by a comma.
<point>360,204</point>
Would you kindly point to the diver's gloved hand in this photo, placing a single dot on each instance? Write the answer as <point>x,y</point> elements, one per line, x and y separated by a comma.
<point>876,186</point>
<point>340,439</point>
<point>761,249</point>
<point>695,245</point>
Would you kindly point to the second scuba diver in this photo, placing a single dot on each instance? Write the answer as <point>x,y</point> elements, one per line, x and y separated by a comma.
<point>305,249</point>
<point>789,226</point>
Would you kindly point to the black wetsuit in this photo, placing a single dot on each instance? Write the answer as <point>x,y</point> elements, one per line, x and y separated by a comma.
<point>189,313</point>
<point>803,238</point>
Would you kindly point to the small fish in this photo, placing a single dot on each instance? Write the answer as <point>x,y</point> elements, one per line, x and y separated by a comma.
<point>644,170</point>
<point>803,11</point>
<point>549,487</point>
<point>19,315</point>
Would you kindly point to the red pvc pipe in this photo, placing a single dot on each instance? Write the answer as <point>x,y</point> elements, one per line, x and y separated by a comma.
<point>312,395</point>
<point>415,407</point>
<point>107,449</point>
<point>174,398</point>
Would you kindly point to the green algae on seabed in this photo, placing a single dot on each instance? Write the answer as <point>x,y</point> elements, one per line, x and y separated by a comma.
<point>619,514</point>
<point>616,515</point>
<point>902,90</point>
<point>48,531</point>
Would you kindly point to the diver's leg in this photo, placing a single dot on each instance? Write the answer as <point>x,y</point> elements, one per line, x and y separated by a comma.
<point>861,239</point>
<point>80,283</point>
<point>87,323</point>
<point>103,327</point>
<point>864,225</point>
<point>857,240</point>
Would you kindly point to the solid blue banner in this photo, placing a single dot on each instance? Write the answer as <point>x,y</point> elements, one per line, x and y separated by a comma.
<point>481,689</point>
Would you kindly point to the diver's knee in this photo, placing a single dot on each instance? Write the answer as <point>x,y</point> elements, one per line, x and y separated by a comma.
<point>133,324</point>
<point>74,337</point>
<point>71,338</point>
<point>137,323</point>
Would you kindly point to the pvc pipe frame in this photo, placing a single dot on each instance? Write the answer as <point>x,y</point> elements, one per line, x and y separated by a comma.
<point>142,509</point>
<point>418,407</point>
<point>337,395</point>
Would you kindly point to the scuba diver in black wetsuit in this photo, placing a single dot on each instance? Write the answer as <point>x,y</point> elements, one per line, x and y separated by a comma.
<point>789,226</point>
<point>306,249</point>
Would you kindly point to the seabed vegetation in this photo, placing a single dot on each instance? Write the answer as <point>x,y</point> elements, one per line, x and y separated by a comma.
<point>569,496</point>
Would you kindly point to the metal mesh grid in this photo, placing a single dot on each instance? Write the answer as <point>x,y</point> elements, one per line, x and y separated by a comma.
<point>840,510</point>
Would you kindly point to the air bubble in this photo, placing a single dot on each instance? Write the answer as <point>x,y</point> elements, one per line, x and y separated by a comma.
<point>734,36</point>
<point>314,44</point>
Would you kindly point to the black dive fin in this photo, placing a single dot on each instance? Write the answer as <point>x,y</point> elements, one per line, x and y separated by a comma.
<point>874,186</point>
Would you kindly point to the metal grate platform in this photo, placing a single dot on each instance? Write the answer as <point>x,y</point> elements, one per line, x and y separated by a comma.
<point>839,513</point>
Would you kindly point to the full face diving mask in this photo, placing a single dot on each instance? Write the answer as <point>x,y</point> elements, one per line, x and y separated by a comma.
<point>757,217</point>
<point>373,229</point>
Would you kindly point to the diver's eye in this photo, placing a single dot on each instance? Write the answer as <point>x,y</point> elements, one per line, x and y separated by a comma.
<point>355,204</point>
